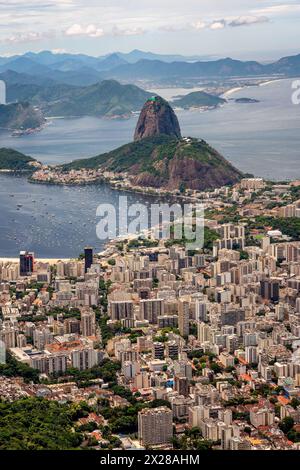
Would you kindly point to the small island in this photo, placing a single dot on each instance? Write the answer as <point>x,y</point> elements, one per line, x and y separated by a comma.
<point>246,100</point>
<point>198,99</point>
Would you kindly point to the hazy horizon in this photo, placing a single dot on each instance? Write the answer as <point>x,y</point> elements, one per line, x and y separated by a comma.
<point>207,28</point>
<point>267,57</point>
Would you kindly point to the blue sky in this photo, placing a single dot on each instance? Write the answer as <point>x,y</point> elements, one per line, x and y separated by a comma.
<point>258,29</point>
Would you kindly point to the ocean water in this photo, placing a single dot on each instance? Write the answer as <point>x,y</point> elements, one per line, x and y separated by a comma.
<point>260,138</point>
<point>53,221</point>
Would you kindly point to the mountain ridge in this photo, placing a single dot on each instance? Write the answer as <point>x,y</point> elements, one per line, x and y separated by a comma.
<point>81,69</point>
<point>107,98</point>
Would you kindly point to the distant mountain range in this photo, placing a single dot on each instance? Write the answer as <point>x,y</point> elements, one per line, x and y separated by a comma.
<point>76,69</point>
<point>223,68</point>
<point>83,70</point>
<point>77,85</point>
<point>72,61</point>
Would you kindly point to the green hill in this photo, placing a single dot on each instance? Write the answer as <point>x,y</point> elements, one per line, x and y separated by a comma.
<point>166,162</point>
<point>197,99</point>
<point>12,160</point>
<point>107,98</point>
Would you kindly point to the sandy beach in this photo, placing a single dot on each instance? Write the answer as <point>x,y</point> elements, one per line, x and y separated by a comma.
<point>231,91</point>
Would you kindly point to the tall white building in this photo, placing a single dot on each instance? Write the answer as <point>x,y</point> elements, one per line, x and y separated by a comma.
<point>251,354</point>
<point>84,358</point>
<point>2,352</point>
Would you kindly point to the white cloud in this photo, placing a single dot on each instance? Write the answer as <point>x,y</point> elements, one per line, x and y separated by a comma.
<point>74,30</point>
<point>133,31</point>
<point>217,25</point>
<point>114,19</point>
<point>220,24</point>
<point>30,36</point>
<point>91,31</point>
<point>58,51</point>
<point>199,25</point>
<point>248,20</point>
<point>279,9</point>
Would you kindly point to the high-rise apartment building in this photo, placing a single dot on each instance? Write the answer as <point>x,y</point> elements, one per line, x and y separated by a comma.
<point>183,317</point>
<point>155,426</point>
<point>120,309</point>
<point>151,309</point>
<point>158,350</point>
<point>88,258</point>
<point>26,263</point>
<point>269,290</point>
<point>88,323</point>
<point>84,358</point>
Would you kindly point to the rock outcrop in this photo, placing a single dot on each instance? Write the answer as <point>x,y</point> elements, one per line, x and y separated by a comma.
<point>160,158</point>
<point>157,117</point>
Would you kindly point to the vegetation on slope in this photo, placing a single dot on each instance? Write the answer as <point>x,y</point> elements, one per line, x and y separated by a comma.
<point>14,368</point>
<point>165,161</point>
<point>124,157</point>
<point>13,160</point>
<point>38,424</point>
<point>107,98</point>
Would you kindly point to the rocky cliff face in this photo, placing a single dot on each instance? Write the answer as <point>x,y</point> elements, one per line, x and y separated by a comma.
<point>157,117</point>
<point>187,163</point>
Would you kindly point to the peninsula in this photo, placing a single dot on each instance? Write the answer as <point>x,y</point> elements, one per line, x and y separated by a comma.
<point>159,157</point>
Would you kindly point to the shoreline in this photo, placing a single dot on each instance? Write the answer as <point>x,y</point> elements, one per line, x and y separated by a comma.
<point>272,81</point>
<point>232,91</point>
<point>153,192</point>
<point>242,87</point>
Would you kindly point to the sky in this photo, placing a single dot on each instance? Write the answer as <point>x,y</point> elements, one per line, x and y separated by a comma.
<point>245,29</point>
